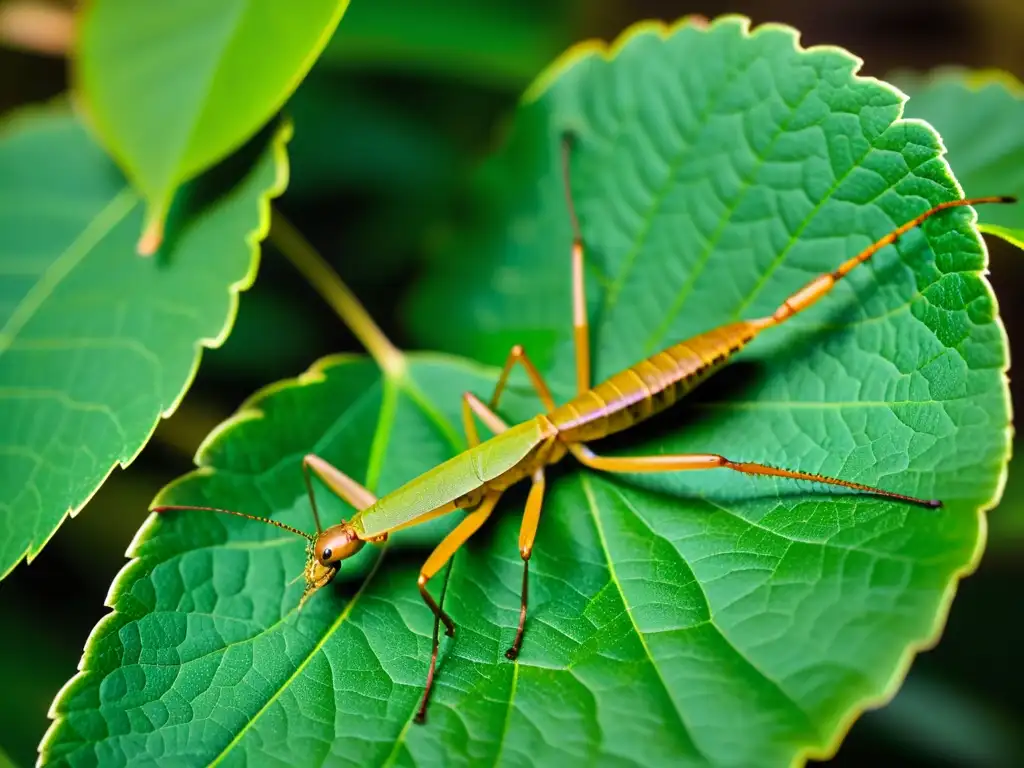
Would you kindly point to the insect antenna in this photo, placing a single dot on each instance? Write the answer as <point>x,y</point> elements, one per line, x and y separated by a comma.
<point>174,508</point>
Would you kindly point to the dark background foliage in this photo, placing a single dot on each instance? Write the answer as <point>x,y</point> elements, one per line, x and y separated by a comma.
<point>386,131</point>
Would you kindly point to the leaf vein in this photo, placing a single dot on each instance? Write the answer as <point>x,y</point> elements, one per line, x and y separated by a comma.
<point>614,579</point>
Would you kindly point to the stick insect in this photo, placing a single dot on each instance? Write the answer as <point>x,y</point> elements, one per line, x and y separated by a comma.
<point>476,479</point>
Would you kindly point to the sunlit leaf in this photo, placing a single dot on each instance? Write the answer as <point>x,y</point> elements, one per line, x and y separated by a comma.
<point>172,88</point>
<point>692,619</point>
<point>95,345</point>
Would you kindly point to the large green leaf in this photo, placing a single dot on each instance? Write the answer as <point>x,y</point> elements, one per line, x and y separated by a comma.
<point>714,175</point>
<point>692,619</point>
<point>979,116</point>
<point>172,88</point>
<point>96,346</point>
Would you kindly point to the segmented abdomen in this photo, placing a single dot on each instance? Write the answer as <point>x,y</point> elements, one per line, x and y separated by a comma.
<point>650,386</point>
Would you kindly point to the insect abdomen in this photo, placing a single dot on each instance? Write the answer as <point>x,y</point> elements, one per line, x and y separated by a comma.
<point>650,386</point>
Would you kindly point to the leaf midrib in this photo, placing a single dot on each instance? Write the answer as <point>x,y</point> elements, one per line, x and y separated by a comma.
<point>701,262</point>
<point>385,417</point>
<point>711,619</point>
<point>392,389</point>
<point>596,517</point>
<point>684,154</point>
<point>231,31</point>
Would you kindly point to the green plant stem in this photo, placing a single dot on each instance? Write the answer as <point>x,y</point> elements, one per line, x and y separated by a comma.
<point>326,282</point>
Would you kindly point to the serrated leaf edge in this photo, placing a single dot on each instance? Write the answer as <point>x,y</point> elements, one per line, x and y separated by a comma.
<point>570,58</point>
<point>609,51</point>
<point>250,410</point>
<point>974,80</point>
<point>278,143</point>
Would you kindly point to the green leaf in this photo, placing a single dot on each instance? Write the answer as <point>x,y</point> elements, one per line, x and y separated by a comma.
<point>978,115</point>
<point>500,43</point>
<point>714,175</point>
<point>96,346</point>
<point>171,91</point>
<point>664,611</point>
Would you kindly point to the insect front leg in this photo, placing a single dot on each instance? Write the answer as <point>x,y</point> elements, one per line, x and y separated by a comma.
<point>441,555</point>
<point>341,484</point>
<point>471,404</point>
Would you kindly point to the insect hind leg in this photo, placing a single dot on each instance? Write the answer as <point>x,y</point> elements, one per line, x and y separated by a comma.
<point>681,462</point>
<point>825,282</point>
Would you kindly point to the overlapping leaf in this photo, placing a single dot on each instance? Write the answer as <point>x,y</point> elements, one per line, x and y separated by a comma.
<point>172,88</point>
<point>978,115</point>
<point>699,619</point>
<point>96,345</point>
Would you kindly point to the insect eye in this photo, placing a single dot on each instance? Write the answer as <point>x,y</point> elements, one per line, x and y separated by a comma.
<point>327,554</point>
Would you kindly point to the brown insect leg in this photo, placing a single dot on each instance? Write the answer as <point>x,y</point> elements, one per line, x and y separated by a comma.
<point>580,323</point>
<point>518,355</point>
<point>822,284</point>
<point>686,461</point>
<point>340,483</point>
<point>421,713</point>
<point>527,535</point>
<point>441,555</point>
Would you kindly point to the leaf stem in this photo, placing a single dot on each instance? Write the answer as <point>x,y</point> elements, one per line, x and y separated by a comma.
<point>326,282</point>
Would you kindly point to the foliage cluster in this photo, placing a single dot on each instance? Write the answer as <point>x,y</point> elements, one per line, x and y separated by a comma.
<point>718,166</point>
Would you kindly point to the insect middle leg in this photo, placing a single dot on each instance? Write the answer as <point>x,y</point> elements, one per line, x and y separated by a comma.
<point>531,517</point>
<point>471,404</point>
<point>518,355</point>
<point>341,484</point>
<point>527,535</point>
<point>441,555</point>
<point>686,461</point>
